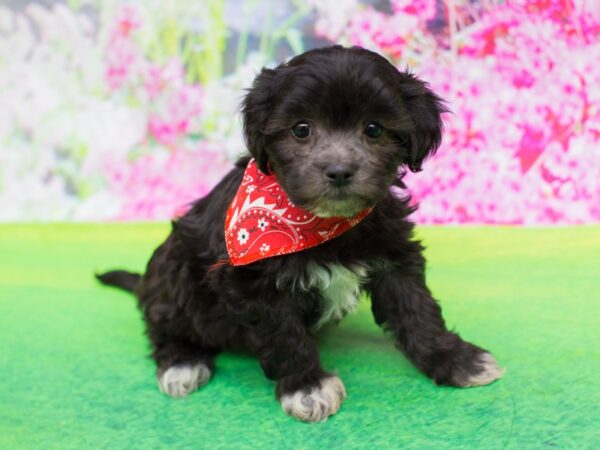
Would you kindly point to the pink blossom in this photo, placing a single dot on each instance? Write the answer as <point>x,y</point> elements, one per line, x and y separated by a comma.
<point>423,9</point>
<point>177,111</point>
<point>375,30</point>
<point>163,184</point>
<point>521,144</point>
<point>127,20</point>
<point>123,57</point>
<point>153,80</point>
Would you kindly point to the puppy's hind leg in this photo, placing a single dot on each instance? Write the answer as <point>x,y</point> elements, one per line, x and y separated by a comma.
<point>182,367</point>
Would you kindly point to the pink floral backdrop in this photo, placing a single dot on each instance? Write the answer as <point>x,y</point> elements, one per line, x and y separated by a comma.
<point>126,110</point>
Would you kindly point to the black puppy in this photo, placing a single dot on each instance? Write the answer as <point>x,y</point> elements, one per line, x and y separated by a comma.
<point>335,126</point>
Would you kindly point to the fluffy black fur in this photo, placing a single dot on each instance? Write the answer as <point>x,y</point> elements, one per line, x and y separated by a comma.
<point>194,309</point>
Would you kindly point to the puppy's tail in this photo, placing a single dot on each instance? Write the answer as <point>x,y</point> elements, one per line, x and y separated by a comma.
<point>120,278</point>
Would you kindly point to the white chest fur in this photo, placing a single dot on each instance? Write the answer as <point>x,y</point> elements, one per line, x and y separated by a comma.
<point>340,289</point>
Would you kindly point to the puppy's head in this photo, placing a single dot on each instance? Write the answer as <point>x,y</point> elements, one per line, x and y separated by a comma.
<point>334,124</point>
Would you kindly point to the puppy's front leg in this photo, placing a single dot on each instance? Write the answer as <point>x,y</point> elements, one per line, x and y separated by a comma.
<point>402,304</point>
<point>288,354</point>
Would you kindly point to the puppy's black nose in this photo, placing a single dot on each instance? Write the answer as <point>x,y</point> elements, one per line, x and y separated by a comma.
<point>339,174</point>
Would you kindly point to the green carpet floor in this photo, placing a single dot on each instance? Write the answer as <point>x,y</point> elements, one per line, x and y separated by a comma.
<point>74,371</point>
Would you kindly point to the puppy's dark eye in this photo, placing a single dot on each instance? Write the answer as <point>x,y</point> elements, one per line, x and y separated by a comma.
<point>373,130</point>
<point>301,130</point>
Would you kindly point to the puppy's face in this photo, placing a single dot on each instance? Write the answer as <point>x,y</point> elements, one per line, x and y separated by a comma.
<point>334,125</point>
<point>334,170</point>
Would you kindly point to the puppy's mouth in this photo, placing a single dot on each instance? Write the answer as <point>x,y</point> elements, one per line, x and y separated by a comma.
<point>338,203</point>
<point>326,200</point>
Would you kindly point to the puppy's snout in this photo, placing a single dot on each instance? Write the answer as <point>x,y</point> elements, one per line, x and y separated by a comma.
<point>340,174</point>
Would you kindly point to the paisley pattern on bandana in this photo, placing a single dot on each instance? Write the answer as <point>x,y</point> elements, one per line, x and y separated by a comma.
<point>262,222</point>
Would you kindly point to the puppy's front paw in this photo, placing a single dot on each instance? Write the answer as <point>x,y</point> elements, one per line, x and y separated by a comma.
<point>488,371</point>
<point>465,366</point>
<point>181,379</point>
<point>317,404</point>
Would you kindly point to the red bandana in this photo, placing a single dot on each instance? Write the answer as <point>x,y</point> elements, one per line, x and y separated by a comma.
<point>262,222</point>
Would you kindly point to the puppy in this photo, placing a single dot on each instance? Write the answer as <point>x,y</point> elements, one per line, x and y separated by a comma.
<point>328,132</point>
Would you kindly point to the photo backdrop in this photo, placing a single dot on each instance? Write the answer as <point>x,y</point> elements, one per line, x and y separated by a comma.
<point>126,110</point>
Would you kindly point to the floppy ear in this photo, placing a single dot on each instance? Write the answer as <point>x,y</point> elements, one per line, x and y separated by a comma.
<point>424,109</point>
<point>256,108</point>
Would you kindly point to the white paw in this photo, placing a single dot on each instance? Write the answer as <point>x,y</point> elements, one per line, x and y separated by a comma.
<point>181,379</point>
<point>490,371</point>
<point>318,404</point>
